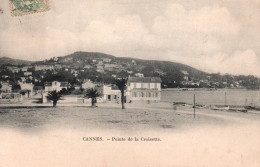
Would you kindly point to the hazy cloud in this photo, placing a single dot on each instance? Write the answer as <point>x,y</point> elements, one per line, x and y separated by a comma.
<point>238,63</point>
<point>207,35</point>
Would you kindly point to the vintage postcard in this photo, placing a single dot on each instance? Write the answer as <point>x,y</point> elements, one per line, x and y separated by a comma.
<point>132,83</point>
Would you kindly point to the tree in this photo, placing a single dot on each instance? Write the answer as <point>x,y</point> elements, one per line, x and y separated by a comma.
<point>25,91</point>
<point>121,84</point>
<point>54,96</point>
<point>16,87</point>
<point>93,94</point>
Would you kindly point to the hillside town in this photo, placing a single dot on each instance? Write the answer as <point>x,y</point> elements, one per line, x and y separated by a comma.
<point>75,74</point>
<point>32,83</point>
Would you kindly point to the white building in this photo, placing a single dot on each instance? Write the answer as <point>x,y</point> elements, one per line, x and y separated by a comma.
<point>44,67</point>
<point>14,69</point>
<point>137,89</point>
<point>184,72</point>
<point>55,85</point>
<point>139,75</point>
<point>111,93</point>
<point>107,60</point>
<point>110,67</point>
<point>144,88</point>
<point>88,84</point>
<point>57,66</point>
<point>24,69</point>
<point>87,67</point>
<point>27,86</point>
<point>6,87</point>
<point>27,73</point>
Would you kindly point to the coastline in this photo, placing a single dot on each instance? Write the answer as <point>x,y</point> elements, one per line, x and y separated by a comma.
<point>207,89</point>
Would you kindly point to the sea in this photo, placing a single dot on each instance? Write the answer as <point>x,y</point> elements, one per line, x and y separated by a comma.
<point>236,97</point>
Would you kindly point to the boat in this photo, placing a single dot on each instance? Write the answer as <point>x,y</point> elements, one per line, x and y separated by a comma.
<point>238,109</point>
<point>226,108</point>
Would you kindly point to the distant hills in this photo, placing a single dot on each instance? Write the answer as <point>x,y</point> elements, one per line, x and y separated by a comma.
<point>155,64</point>
<point>165,65</point>
<point>170,72</point>
<point>10,61</point>
<point>100,67</point>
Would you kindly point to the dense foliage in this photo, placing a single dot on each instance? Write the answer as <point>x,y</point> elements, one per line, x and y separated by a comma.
<point>54,96</point>
<point>121,84</point>
<point>93,94</point>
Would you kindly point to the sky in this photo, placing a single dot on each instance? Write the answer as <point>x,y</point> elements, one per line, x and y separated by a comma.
<point>210,35</point>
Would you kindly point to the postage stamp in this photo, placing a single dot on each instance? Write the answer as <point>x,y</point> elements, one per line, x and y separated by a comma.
<point>23,7</point>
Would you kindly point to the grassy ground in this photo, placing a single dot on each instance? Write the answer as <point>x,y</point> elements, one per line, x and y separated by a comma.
<point>134,118</point>
<point>53,136</point>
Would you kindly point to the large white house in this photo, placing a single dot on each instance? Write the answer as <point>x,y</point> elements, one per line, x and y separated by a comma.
<point>138,89</point>
<point>144,88</point>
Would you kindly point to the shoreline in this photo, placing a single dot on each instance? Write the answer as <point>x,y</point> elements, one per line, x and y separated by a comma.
<point>207,89</point>
<point>163,105</point>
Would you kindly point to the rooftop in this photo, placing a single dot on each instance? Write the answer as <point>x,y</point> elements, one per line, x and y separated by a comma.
<point>145,79</point>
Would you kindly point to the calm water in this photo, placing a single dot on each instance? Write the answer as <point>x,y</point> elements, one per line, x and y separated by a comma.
<point>214,97</point>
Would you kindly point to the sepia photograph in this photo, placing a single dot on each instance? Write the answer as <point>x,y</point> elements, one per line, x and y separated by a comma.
<point>130,83</point>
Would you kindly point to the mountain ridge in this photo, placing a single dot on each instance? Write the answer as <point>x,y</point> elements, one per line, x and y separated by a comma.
<point>101,67</point>
<point>7,60</point>
<point>100,55</point>
<point>14,61</point>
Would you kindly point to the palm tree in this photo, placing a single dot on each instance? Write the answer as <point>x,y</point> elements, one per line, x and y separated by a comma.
<point>93,94</point>
<point>54,96</point>
<point>121,84</point>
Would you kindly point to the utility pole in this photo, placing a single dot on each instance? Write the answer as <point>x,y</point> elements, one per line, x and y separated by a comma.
<point>194,104</point>
<point>225,99</point>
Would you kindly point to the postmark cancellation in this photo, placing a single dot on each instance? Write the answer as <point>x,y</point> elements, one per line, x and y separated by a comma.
<point>24,7</point>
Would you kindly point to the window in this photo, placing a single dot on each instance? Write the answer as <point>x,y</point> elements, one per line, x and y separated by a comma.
<point>134,94</point>
<point>109,97</point>
<point>156,94</point>
<point>142,94</point>
<point>149,94</point>
<point>148,85</point>
<point>155,85</point>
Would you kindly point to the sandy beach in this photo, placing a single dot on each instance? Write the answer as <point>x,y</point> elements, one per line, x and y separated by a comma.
<point>54,136</point>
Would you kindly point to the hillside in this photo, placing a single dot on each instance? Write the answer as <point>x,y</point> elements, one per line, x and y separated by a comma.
<point>155,63</point>
<point>165,66</point>
<point>170,72</point>
<point>103,68</point>
<point>10,61</point>
<point>82,57</point>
